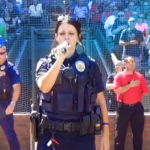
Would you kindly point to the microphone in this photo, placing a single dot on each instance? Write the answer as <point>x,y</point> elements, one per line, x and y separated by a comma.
<point>63,50</point>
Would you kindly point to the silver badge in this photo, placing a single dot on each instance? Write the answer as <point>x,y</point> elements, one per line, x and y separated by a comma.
<point>80,65</point>
<point>2,68</point>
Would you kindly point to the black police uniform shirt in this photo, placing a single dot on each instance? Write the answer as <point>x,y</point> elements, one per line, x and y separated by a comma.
<point>127,35</point>
<point>116,25</point>
<point>42,69</point>
<point>13,73</point>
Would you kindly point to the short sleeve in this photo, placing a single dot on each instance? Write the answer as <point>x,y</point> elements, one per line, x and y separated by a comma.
<point>114,26</point>
<point>98,77</point>
<point>14,75</point>
<point>144,86</point>
<point>86,10</point>
<point>29,10</point>
<point>117,82</point>
<point>41,69</point>
<point>41,10</point>
<point>122,36</point>
<point>146,25</point>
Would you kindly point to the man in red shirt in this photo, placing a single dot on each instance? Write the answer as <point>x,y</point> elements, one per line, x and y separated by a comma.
<point>130,86</point>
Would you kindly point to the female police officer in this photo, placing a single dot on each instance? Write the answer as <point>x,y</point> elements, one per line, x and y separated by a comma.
<point>70,85</point>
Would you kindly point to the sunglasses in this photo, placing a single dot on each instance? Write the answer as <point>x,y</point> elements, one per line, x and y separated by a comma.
<point>131,62</point>
<point>141,17</point>
<point>132,21</point>
<point>120,15</point>
<point>2,53</point>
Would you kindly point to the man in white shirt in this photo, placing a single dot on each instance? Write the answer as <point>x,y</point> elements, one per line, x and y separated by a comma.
<point>2,22</point>
<point>110,21</point>
<point>35,12</point>
<point>81,12</point>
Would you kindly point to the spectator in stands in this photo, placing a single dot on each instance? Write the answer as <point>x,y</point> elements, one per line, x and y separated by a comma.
<point>130,87</point>
<point>126,3</point>
<point>131,8</point>
<point>96,14</point>
<point>145,8</point>
<point>142,26</point>
<point>132,40</point>
<point>112,97</point>
<point>2,42</point>
<point>14,13</point>
<point>107,13</point>
<point>2,21</point>
<point>24,15</point>
<point>135,15</point>
<point>72,6</point>
<point>105,3</point>
<point>147,19</point>
<point>55,10</point>
<point>119,25</point>
<point>120,5</point>
<point>110,21</point>
<point>35,13</point>
<point>2,7</point>
<point>3,32</point>
<point>81,12</point>
<point>10,22</point>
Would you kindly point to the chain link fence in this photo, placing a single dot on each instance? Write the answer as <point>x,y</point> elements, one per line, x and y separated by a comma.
<point>30,32</point>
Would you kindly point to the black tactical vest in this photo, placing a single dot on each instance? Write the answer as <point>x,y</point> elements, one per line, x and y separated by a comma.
<point>74,91</point>
<point>5,83</point>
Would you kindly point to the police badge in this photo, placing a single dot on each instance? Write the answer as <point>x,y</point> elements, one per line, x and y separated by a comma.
<point>80,66</point>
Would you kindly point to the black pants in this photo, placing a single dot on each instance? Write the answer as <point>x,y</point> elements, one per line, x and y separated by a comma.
<point>134,115</point>
<point>67,141</point>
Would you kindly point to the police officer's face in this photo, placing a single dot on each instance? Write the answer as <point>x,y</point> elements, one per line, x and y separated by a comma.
<point>3,55</point>
<point>67,32</point>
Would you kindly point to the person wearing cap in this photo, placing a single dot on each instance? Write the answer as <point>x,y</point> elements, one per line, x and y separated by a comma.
<point>9,94</point>
<point>112,98</point>
<point>132,41</point>
<point>110,21</point>
<point>130,86</point>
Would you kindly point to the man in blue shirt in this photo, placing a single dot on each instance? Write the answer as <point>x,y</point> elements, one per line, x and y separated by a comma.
<point>119,25</point>
<point>132,41</point>
<point>9,94</point>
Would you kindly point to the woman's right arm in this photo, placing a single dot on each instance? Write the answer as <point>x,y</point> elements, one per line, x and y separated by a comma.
<point>46,82</point>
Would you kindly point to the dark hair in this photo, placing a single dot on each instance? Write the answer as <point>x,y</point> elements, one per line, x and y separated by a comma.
<point>70,20</point>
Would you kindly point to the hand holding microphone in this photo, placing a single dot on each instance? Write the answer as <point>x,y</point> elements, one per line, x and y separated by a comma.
<point>61,51</point>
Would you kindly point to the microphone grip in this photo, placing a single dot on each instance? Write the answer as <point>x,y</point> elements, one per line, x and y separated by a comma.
<point>63,50</point>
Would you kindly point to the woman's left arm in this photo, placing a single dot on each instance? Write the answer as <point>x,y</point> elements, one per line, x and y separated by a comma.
<point>105,145</point>
<point>147,33</point>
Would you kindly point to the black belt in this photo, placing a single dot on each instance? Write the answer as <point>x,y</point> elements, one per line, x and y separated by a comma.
<point>61,126</point>
<point>133,104</point>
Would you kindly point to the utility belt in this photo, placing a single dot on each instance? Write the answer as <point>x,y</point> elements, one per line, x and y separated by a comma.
<point>5,95</point>
<point>87,124</point>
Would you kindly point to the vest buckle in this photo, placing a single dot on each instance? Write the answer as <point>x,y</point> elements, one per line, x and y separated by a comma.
<point>68,126</point>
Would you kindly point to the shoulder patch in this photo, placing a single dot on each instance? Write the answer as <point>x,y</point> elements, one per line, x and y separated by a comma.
<point>91,59</point>
<point>40,62</point>
<point>16,70</point>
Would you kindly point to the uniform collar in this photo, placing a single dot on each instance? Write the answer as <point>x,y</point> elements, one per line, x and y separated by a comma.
<point>71,60</point>
<point>4,63</point>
